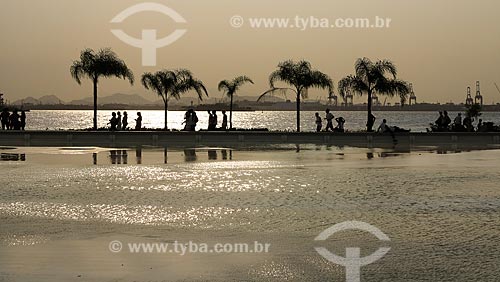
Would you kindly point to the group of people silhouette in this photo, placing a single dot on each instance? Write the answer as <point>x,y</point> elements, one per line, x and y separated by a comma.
<point>329,122</point>
<point>14,121</point>
<point>191,121</point>
<point>459,124</point>
<point>117,122</point>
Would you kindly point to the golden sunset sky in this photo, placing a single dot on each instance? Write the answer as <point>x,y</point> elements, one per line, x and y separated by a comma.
<point>442,46</point>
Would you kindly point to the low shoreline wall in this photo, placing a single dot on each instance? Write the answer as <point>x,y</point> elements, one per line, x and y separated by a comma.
<point>235,139</point>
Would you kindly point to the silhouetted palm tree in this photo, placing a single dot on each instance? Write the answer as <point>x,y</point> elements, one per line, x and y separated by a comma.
<point>171,84</point>
<point>94,65</point>
<point>301,77</point>
<point>230,88</point>
<point>370,78</point>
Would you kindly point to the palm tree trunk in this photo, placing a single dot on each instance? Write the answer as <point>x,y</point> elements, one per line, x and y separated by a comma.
<point>95,103</point>
<point>298,112</point>
<point>166,113</point>
<point>369,124</point>
<point>231,113</point>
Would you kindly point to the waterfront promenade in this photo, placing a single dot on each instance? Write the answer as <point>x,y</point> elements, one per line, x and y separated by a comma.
<point>244,138</point>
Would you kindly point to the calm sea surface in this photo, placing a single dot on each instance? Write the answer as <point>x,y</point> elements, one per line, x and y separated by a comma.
<point>60,208</point>
<point>416,121</point>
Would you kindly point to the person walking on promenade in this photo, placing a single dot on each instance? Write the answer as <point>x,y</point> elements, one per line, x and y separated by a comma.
<point>329,120</point>
<point>118,121</point>
<point>14,122</point>
<point>4,117</point>
<point>23,120</point>
<point>319,123</point>
<point>212,120</point>
<point>125,121</point>
<point>215,120</point>
<point>113,122</point>
<point>194,120</point>
<point>138,122</point>
<point>187,121</point>
<point>224,121</point>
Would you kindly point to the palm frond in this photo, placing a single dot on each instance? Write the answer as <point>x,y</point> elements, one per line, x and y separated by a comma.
<point>104,62</point>
<point>282,91</point>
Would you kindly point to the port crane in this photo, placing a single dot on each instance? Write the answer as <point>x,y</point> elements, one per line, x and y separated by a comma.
<point>413,97</point>
<point>469,101</point>
<point>348,99</point>
<point>333,99</point>
<point>479,98</point>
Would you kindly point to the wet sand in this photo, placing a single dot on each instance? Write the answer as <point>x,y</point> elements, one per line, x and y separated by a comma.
<point>59,212</point>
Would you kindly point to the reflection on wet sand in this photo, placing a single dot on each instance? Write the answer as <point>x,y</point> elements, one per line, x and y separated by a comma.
<point>212,155</point>
<point>151,155</point>
<point>138,155</point>
<point>118,156</point>
<point>13,157</point>
<point>190,155</point>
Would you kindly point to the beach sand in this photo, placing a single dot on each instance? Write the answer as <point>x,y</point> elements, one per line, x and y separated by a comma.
<point>59,213</point>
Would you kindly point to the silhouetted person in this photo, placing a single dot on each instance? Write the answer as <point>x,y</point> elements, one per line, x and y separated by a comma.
<point>190,119</point>
<point>118,121</point>
<point>209,120</point>
<point>4,117</point>
<point>138,121</point>
<point>371,122</point>
<point>23,120</point>
<point>187,120</point>
<point>446,120</point>
<point>224,120</point>
<point>319,122</point>
<point>384,128</point>
<point>480,126</point>
<point>212,120</point>
<point>113,122</point>
<point>469,127</point>
<point>125,121</point>
<point>329,120</point>
<point>15,123</point>
<point>340,124</point>
<point>439,122</point>
<point>193,121</point>
<point>457,123</point>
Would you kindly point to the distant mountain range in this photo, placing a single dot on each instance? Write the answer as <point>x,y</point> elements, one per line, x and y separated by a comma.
<point>118,98</point>
<point>130,99</point>
<point>125,99</point>
<point>45,100</point>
